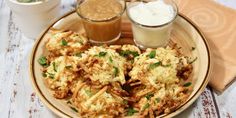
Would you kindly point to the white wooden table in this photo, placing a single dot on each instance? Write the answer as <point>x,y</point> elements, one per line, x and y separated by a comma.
<point>18,100</point>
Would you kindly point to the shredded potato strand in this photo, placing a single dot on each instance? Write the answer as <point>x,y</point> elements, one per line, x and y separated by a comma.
<point>93,98</point>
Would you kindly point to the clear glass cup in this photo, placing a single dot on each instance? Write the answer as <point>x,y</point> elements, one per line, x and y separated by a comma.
<point>101,30</point>
<point>152,36</point>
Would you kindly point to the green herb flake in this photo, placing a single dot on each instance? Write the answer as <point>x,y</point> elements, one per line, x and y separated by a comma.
<point>125,102</point>
<point>79,54</point>
<point>193,60</point>
<point>116,71</point>
<point>124,53</point>
<point>193,48</point>
<point>88,92</point>
<point>131,111</point>
<point>110,59</point>
<point>187,84</point>
<point>152,54</point>
<point>128,52</point>
<point>102,54</point>
<point>146,106</point>
<point>68,102</point>
<point>68,67</point>
<point>154,65</point>
<point>64,42</point>
<point>74,109</point>
<point>44,74</point>
<point>149,95</point>
<point>81,42</point>
<point>54,66</point>
<point>157,100</point>
<point>50,75</point>
<point>167,65</point>
<point>135,53</point>
<point>42,61</point>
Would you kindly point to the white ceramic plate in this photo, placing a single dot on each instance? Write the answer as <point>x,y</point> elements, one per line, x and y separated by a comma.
<point>185,34</point>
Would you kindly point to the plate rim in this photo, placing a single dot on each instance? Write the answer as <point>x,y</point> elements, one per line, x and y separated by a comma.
<point>60,113</point>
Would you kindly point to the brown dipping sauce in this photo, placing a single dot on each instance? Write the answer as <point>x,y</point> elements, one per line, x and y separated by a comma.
<point>101,19</point>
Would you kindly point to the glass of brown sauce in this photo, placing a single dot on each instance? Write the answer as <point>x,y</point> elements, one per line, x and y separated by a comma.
<point>101,19</point>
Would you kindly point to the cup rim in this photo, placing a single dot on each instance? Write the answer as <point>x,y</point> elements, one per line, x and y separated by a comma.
<point>28,4</point>
<point>155,26</point>
<point>109,19</point>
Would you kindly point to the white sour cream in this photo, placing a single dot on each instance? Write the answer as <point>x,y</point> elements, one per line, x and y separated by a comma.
<point>154,13</point>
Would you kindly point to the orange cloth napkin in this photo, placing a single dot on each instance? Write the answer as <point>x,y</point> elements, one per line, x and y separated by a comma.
<point>218,23</point>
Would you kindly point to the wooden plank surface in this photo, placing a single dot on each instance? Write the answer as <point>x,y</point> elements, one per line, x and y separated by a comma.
<point>17,99</point>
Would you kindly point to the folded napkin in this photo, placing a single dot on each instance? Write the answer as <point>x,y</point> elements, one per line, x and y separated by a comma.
<point>218,24</point>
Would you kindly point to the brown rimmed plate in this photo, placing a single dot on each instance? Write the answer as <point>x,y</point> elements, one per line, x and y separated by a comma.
<point>185,33</point>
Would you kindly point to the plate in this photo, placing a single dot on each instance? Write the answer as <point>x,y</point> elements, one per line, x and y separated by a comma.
<point>185,33</point>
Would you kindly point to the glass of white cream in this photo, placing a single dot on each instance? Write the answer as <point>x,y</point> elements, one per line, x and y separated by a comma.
<point>152,22</point>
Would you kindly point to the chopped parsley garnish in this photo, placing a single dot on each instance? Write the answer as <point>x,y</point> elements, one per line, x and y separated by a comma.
<point>128,52</point>
<point>154,65</point>
<point>152,54</point>
<point>149,95</point>
<point>44,74</point>
<point>146,106</point>
<point>157,100</point>
<point>51,75</point>
<point>88,92</point>
<point>74,109</point>
<point>42,61</point>
<point>110,59</point>
<point>81,42</point>
<point>167,65</point>
<point>102,54</point>
<point>131,111</point>
<point>193,48</point>
<point>68,67</point>
<point>193,60</point>
<point>116,71</point>
<point>79,54</point>
<point>68,102</point>
<point>125,101</point>
<point>54,66</point>
<point>64,42</point>
<point>187,84</point>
